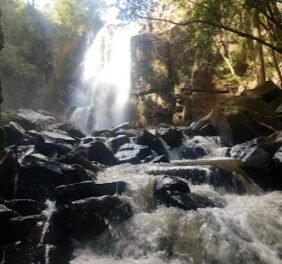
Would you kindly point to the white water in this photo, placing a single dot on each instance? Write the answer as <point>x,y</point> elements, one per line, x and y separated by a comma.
<point>247,230</point>
<point>102,95</point>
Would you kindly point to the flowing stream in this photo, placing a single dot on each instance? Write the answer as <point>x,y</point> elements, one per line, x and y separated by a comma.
<point>102,95</point>
<point>247,230</point>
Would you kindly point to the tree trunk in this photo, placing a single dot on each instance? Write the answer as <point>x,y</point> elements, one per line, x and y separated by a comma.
<point>258,49</point>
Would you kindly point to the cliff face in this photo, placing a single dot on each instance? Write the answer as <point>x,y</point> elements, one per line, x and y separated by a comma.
<point>151,78</point>
<point>2,137</point>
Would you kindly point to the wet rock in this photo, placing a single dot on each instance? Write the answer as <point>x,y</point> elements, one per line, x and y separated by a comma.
<point>6,215</point>
<point>8,174</point>
<point>103,133</point>
<point>253,116</point>
<point>133,153</point>
<point>203,127</point>
<point>152,141</point>
<point>77,158</point>
<point>267,91</point>
<point>118,141</point>
<point>160,159</point>
<point>38,179</point>
<point>197,147</point>
<point>30,119</point>
<point>71,130</point>
<point>25,207</point>
<point>85,219</point>
<point>53,144</point>
<point>69,193</point>
<point>173,192</point>
<point>123,126</point>
<point>2,139</point>
<point>14,133</point>
<point>173,137</point>
<point>277,158</point>
<point>99,152</point>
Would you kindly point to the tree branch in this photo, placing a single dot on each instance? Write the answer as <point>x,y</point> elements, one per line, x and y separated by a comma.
<point>220,26</point>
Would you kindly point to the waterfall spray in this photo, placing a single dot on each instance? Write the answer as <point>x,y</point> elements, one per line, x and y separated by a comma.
<point>102,95</point>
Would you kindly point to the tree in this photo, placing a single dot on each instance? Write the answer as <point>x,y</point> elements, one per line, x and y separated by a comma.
<point>219,14</point>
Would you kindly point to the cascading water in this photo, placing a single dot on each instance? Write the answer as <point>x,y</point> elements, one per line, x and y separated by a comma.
<point>248,229</point>
<point>102,96</point>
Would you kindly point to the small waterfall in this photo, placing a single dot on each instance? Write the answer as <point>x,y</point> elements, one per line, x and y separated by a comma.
<point>246,230</point>
<point>102,96</point>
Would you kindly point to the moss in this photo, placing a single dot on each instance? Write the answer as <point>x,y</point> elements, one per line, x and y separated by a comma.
<point>7,116</point>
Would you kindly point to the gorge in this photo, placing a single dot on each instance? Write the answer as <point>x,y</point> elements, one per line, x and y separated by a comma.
<point>149,165</point>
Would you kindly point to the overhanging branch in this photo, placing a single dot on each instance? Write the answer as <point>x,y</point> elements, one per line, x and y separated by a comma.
<point>221,26</point>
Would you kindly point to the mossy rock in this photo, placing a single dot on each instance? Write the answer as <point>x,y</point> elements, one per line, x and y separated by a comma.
<point>243,118</point>
<point>7,116</point>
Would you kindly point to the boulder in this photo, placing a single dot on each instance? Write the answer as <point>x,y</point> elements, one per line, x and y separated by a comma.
<point>6,215</point>
<point>71,130</point>
<point>2,139</point>
<point>153,142</point>
<point>278,159</point>
<point>8,174</point>
<point>53,144</point>
<point>25,207</point>
<point>172,136</point>
<point>240,119</point>
<point>133,153</point>
<point>118,141</point>
<point>173,192</point>
<point>38,179</point>
<point>30,119</point>
<point>267,91</point>
<point>99,152</point>
<point>202,127</point>
<point>69,193</point>
<point>76,158</point>
<point>85,219</point>
<point>14,133</point>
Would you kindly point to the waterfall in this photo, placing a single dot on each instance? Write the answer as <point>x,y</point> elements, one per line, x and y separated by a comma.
<point>102,95</point>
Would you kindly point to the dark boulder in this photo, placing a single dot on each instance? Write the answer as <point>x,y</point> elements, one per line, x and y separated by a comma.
<point>85,219</point>
<point>6,215</point>
<point>53,144</point>
<point>278,160</point>
<point>118,141</point>
<point>25,207</point>
<point>99,152</point>
<point>173,192</point>
<point>2,139</point>
<point>268,91</point>
<point>71,130</point>
<point>38,179</point>
<point>14,133</point>
<point>8,174</point>
<point>173,137</point>
<point>202,127</point>
<point>133,153</point>
<point>69,193</point>
<point>76,158</point>
<point>153,142</point>
<point>240,119</point>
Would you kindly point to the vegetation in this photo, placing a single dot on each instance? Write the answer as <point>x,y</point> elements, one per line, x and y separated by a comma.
<point>41,48</point>
<point>242,39</point>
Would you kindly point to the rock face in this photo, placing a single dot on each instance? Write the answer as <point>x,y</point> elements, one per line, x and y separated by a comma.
<point>240,119</point>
